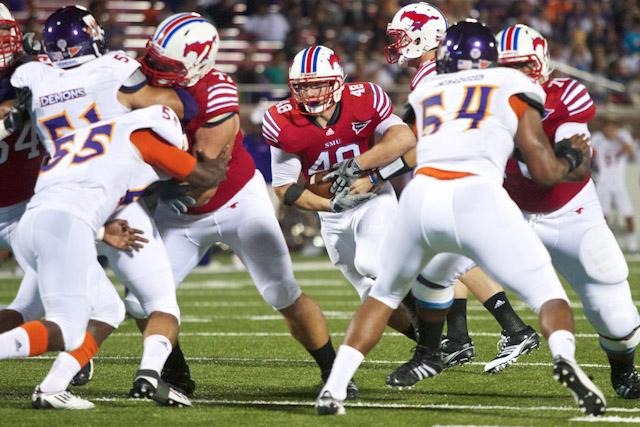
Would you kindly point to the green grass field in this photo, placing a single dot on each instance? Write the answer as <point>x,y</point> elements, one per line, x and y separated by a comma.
<point>251,372</point>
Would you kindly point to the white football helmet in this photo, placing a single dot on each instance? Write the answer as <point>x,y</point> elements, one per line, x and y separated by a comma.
<point>10,39</point>
<point>316,79</point>
<point>182,51</point>
<point>520,44</point>
<point>415,29</point>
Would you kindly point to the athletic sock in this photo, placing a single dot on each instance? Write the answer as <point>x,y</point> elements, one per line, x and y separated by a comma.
<point>346,364</point>
<point>156,351</point>
<point>324,357</point>
<point>563,343</point>
<point>500,307</point>
<point>621,363</point>
<point>410,333</point>
<point>61,373</point>
<point>176,360</point>
<point>14,344</point>
<point>457,321</point>
<point>86,351</point>
<point>430,333</point>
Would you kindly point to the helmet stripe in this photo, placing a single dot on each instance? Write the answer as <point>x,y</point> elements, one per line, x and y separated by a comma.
<point>502,39</point>
<point>515,38</point>
<point>509,38</point>
<point>304,59</point>
<point>309,59</point>
<point>315,59</point>
<point>174,30</point>
<point>160,30</point>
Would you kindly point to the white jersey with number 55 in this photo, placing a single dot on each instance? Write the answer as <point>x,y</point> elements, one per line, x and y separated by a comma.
<point>465,121</point>
<point>69,99</point>
<point>93,167</point>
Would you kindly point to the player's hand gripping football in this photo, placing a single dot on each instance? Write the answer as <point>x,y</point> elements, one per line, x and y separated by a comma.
<point>577,151</point>
<point>119,235</point>
<point>346,173</point>
<point>345,200</point>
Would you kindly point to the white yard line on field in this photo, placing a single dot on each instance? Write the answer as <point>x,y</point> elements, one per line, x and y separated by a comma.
<point>375,405</point>
<point>616,420</point>
<point>308,361</point>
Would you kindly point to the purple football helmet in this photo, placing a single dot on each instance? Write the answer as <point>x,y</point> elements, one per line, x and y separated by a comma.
<point>466,45</point>
<point>72,37</point>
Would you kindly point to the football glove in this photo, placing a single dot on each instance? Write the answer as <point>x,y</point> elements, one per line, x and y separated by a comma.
<point>346,172</point>
<point>175,194</point>
<point>344,200</point>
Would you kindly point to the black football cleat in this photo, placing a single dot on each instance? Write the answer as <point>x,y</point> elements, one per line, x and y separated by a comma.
<point>627,385</point>
<point>587,395</point>
<point>149,385</point>
<point>425,363</point>
<point>84,375</point>
<point>456,353</point>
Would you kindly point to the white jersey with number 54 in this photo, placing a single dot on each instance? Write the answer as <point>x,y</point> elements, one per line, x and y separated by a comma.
<point>465,122</point>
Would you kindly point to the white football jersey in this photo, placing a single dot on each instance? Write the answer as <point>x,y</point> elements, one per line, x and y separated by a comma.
<point>464,121</point>
<point>93,167</point>
<point>610,156</point>
<point>65,100</point>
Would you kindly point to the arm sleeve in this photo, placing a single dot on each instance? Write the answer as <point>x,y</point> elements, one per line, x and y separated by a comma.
<point>285,167</point>
<point>156,152</point>
<point>567,130</point>
<point>390,121</point>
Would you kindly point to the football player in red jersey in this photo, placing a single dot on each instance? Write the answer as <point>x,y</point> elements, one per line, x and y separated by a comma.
<point>568,217</point>
<point>238,212</point>
<point>324,123</point>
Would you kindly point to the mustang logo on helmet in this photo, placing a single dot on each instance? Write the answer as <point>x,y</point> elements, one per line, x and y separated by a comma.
<point>199,48</point>
<point>333,59</point>
<point>419,19</point>
<point>539,41</point>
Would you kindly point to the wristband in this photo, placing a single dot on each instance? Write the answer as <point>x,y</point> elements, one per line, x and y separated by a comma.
<point>100,234</point>
<point>292,194</point>
<point>395,168</point>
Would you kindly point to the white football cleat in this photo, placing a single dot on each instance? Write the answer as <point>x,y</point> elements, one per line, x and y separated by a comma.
<point>328,405</point>
<point>60,400</point>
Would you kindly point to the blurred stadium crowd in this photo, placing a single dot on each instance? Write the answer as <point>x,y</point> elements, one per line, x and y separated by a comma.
<point>260,38</point>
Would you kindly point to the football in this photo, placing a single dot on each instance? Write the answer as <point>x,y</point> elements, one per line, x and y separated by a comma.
<point>317,187</point>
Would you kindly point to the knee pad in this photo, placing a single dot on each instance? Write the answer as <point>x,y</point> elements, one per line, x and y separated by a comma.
<point>365,265</point>
<point>280,295</point>
<point>133,307</point>
<point>444,269</point>
<point>432,296</point>
<point>601,256</point>
<point>112,315</point>
<point>71,313</point>
<point>621,345</point>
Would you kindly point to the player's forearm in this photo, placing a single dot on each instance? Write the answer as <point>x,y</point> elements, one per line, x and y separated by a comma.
<point>306,200</point>
<point>397,140</point>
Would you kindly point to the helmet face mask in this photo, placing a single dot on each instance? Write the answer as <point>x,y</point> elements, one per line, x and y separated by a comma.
<point>316,80</point>
<point>10,42</point>
<point>414,30</point>
<point>162,71</point>
<point>316,95</point>
<point>181,52</point>
<point>519,46</point>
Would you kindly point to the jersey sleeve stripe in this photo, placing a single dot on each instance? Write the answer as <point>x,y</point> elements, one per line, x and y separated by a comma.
<point>222,100</point>
<point>375,94</point>
<point>268,135</point>
<point>567,90</point>
<point>267,128</point>
<point>222,92</point>
<point>579,103</point>
<point>583,109</point>
<point>578,91</point>
<point>269,118</point>
<point>221,107</point>
<point>223,86</point>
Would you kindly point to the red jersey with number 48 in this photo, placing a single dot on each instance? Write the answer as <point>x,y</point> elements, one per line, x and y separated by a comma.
<point>216,94</point>
<point>568,101</point>
<point>362,107</point>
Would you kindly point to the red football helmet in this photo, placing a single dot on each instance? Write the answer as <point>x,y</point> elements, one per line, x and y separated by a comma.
<point>10,39</point>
